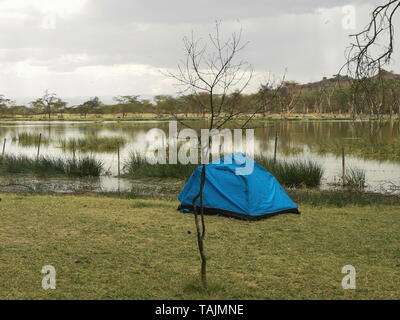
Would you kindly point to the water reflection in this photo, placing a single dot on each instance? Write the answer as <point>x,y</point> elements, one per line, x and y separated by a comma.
<point>370,145</point>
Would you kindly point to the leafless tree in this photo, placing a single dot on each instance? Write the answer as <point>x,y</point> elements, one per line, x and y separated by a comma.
<point>211,67</point>
<point>328,92</point>
<point>288,97</point>
<point>267,94</point>
<point>394,93</point>
<point>372,48</point>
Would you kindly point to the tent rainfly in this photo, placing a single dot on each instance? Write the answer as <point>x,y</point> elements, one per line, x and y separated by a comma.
<point>255,196</point>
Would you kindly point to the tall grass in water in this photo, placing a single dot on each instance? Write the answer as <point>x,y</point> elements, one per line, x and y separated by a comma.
<point>84,167</point>
<point>81,167</point>
<point>364,148</point>
<point>355,179</point>
<point>137,167</point>
<point>93,143</point>
<point>292,174</point>
<point>27,139</point>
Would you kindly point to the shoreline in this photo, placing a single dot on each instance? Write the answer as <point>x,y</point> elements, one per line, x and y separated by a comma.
<point>148,117</point>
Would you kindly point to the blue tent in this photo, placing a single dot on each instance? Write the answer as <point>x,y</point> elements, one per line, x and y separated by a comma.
<point>254,196</point>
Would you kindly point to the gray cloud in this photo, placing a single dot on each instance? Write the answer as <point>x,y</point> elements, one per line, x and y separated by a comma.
<point>106,33</point>
<point>183,11</point>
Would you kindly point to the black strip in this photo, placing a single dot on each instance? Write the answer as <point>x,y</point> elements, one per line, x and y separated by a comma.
<point>251,308</point>
<point>227,213</point>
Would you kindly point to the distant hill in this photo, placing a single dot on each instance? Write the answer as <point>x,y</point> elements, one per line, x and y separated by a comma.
<point>343,81</point>
<point>388,75</point>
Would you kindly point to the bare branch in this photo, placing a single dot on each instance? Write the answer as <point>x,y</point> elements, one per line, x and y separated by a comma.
<point>212,68</point>
<point>364,59</point>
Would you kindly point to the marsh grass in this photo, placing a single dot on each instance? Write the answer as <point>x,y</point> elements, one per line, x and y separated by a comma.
<point>366,149</point>
<point>355,179</point>
<point>85,166</point>
<point>93,143</point>
<point>27,139</point>
<point>296,173</point>
<point>291,150</point>
<point>292,174</point>
<point>137,167</point>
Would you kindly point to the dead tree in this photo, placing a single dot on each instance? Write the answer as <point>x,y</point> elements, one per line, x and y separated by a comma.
<point>370,50</point>
<point>288,98</point>
<point>378,35</point>
<point>267,95</point>
<point>211,67</point>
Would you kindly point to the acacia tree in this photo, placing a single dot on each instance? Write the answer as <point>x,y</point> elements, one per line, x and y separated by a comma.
<point>127,104</point>
<point>5,104</point>
<point>48,104</point>
<point>211,69</point>
<point>92,105</point>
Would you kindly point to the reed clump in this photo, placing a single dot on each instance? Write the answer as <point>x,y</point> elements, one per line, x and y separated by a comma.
<point>355,179</point>
<point>292,174</point>
<point>92,143</point>
<point>298,173</point>
<point>27,139</point>
<point>366,149</point>
<point>44,165</point>
<point>138,167</point>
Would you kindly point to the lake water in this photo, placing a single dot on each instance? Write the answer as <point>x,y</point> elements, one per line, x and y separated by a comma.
<point>369,145</point>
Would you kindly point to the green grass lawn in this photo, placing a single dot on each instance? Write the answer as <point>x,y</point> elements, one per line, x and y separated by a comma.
<point>110,248</point>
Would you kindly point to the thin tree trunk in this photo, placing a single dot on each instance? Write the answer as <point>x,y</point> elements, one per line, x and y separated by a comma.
<point>201,227</point>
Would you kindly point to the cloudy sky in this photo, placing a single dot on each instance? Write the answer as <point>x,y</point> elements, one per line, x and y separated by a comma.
<point>84,48</point>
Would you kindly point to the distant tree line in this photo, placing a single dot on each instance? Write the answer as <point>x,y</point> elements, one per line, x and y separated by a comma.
<point>375,97</point>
